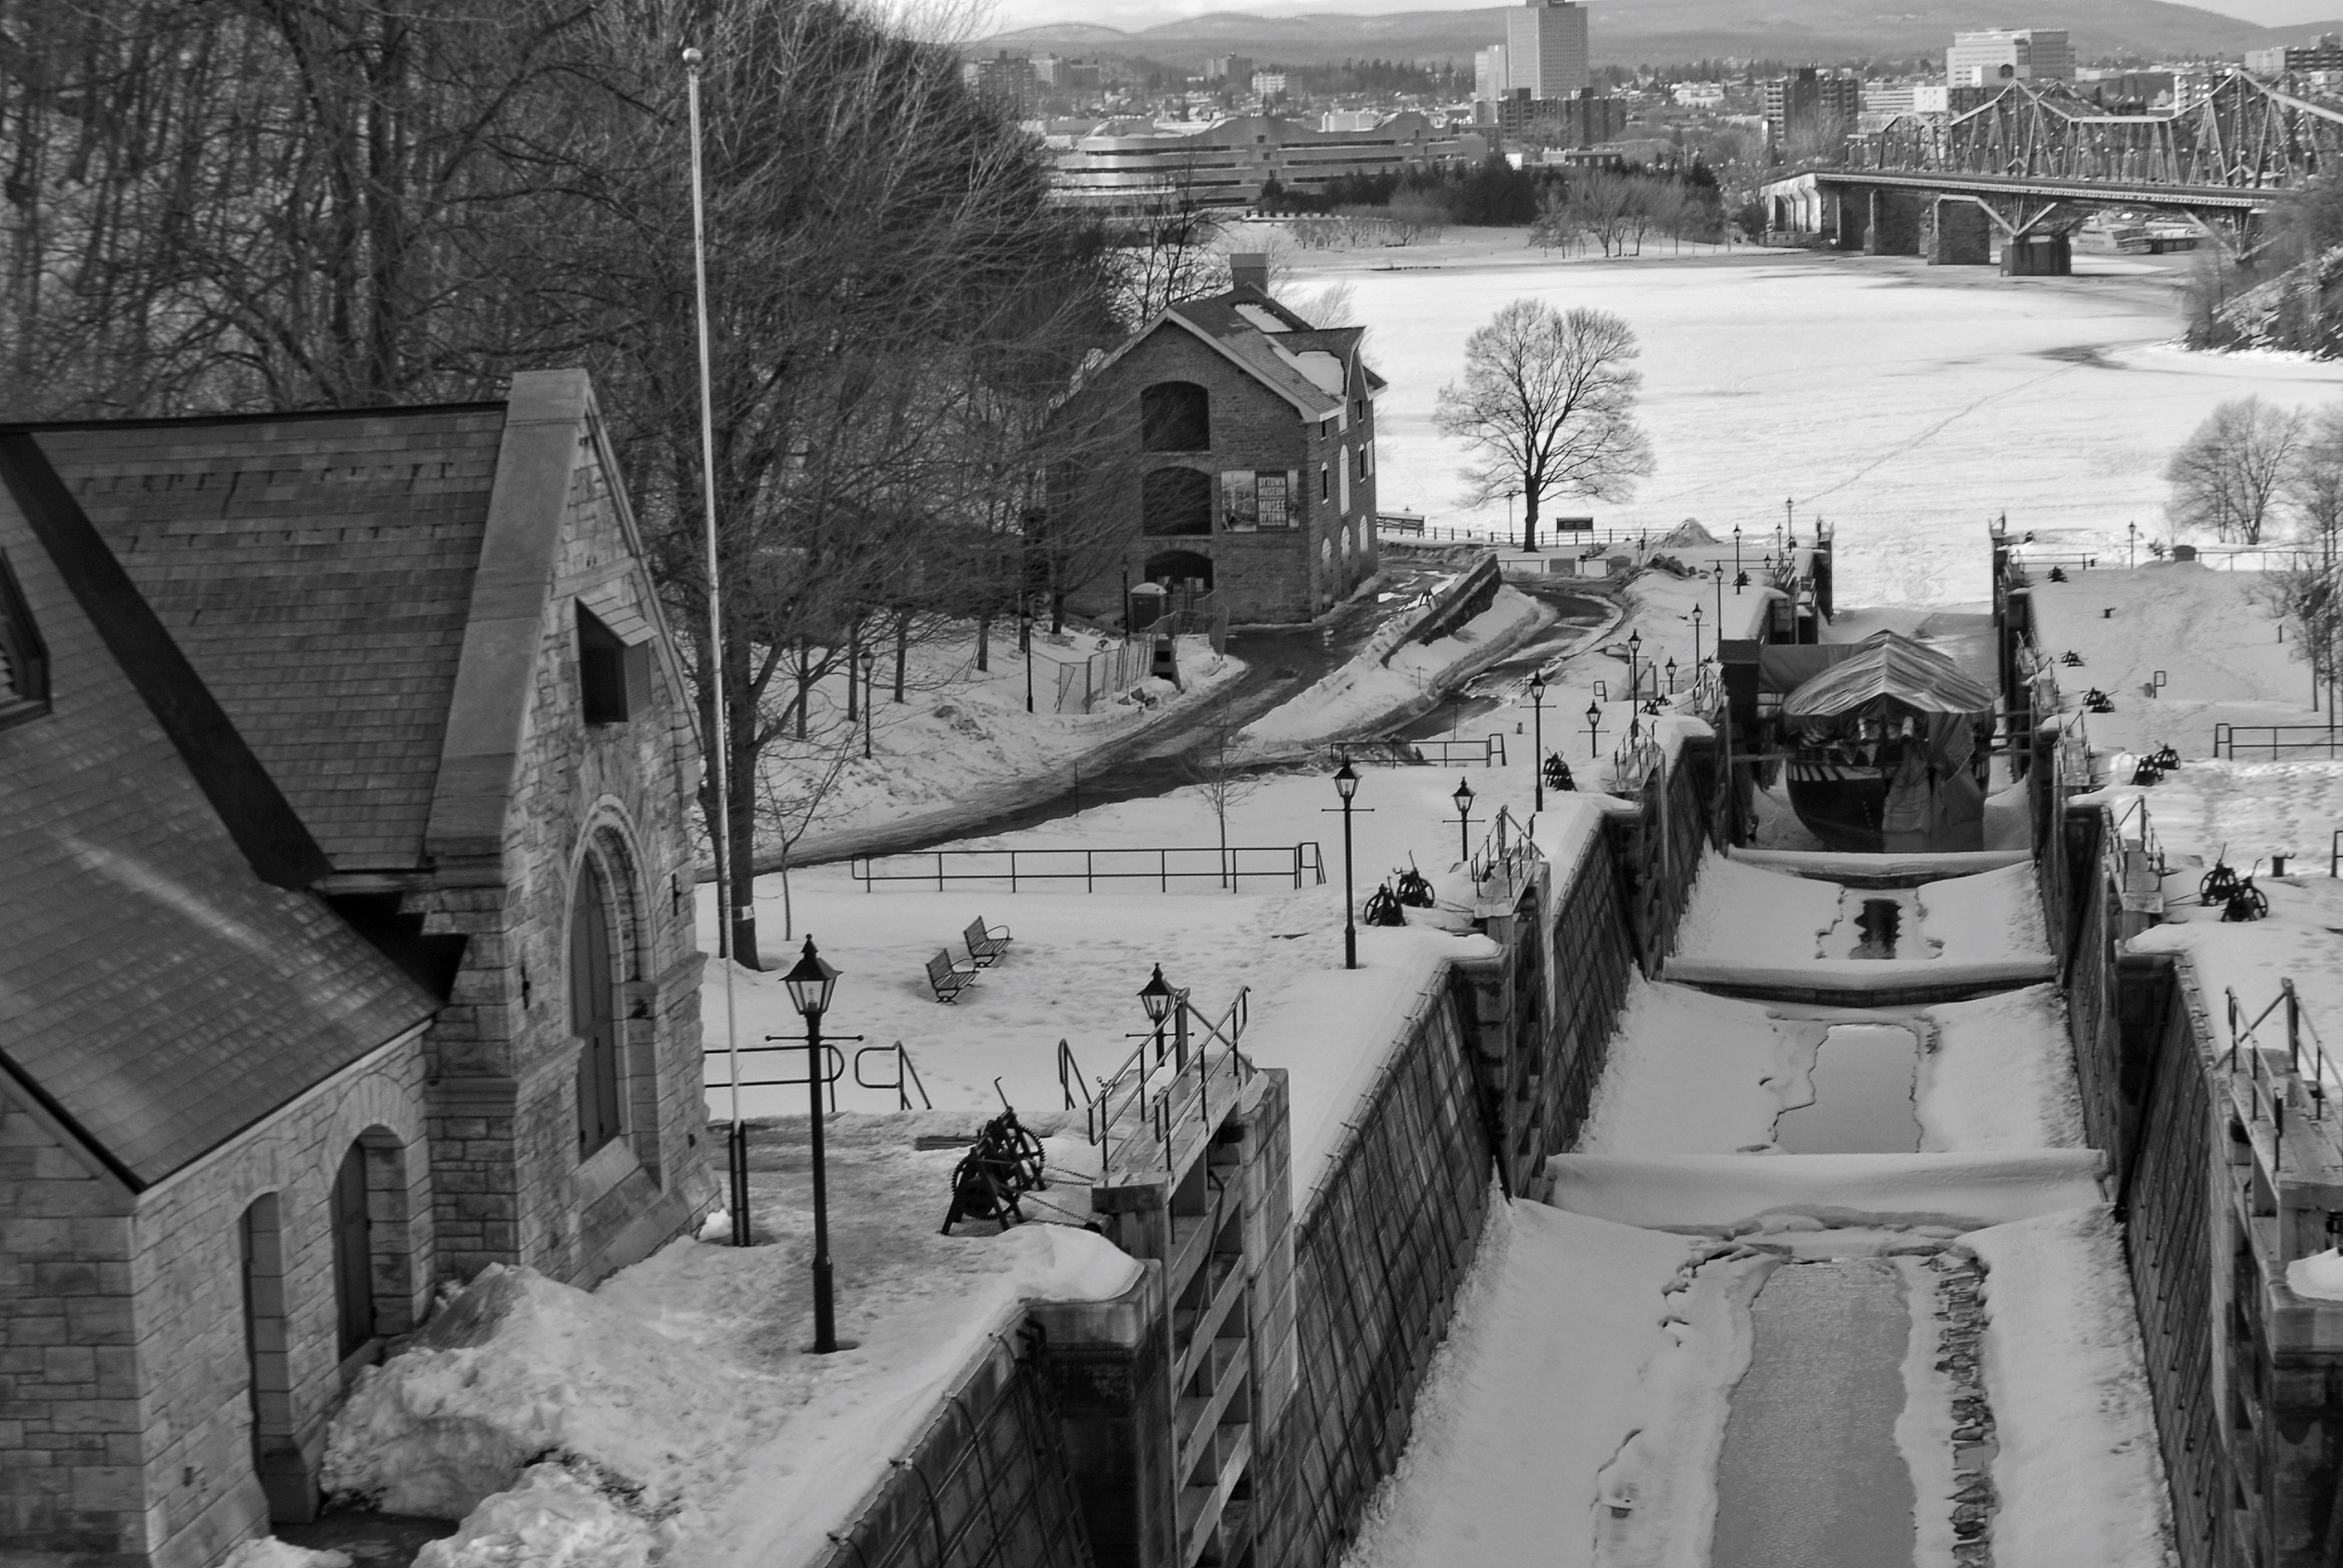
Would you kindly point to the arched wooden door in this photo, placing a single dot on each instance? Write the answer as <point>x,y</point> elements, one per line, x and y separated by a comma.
<point>593,1011</point>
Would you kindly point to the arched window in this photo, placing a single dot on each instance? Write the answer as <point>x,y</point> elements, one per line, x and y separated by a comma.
<point>353,1253</point>
<point>1175,417</point>
<point>593,1011</point>
<point>1176,501</point>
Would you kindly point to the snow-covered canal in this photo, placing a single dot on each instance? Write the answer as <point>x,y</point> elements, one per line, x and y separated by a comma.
<point>1824,1287</point>
<point>1906,403</point>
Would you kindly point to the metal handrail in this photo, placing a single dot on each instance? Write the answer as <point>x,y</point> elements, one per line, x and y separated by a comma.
<point>2299,1028</point>
<point>2328,739</point>
<point>1398,751</point>
<point>1226,865</point>
<point>907,1076</point>
<point>1148,1089</point>
<point>1069,1076</point>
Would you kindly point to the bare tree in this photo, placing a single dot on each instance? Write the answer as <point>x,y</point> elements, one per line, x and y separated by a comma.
<point>2232,470</point>
<point>1548,402</point>
<point>1211,767</point>
<point>2310,591</point>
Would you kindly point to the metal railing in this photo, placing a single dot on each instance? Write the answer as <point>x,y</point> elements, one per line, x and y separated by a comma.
<point>1397,751</point>
<point>2303,1049</point>
<point>2318,740</point>
<point>905,1080</point>
<point>1167,1083</point>
<point>1287,863</point>
<point>1080,682</point>
<point>1506,859</point>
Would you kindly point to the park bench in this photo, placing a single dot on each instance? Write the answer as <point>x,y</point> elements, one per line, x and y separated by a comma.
<point>948,978</point>
<point>985,943</point>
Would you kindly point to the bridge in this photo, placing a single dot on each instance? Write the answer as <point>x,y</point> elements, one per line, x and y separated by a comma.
<point>2031,161</point>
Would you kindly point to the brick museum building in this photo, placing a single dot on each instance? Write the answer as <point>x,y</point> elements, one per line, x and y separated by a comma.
<point>343,771</point>
<point>1233,454</point>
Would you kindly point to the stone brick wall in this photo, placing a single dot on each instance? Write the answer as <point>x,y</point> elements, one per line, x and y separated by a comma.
<point>1275,575</point>
<point>511,1186</point>
<point>69,1425</point>
<point>129,1430</point>
<point>202,1492</point>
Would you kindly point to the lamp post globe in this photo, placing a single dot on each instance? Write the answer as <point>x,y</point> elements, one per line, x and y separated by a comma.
<point>1594,729</point>
<point>810,986</point>
<point>1463,798</point>
<point>1671,675</point>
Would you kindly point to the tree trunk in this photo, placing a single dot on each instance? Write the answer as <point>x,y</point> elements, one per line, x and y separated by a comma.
<point>1528,515</point>
<point>853,674</point>
<point>902,649</point>
<point>741,861</point>
<point>984,643</point>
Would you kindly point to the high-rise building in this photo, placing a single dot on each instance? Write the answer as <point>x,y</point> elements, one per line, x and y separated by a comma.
<point>1007,81</point>
<point>1489,74</point>
<point>1268,84</point>
<point>2026,54</point>
<point>1545,48</point>
<point>1810,99</point>
<point>1232,68</point>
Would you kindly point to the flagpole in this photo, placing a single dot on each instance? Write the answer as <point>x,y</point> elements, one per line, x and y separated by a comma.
<point>718,744</point>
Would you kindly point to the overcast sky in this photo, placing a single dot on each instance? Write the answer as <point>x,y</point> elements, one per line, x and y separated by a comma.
<point>1133,14</point>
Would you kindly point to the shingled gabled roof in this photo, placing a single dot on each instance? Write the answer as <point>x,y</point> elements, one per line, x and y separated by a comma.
<point>317,571</point>
<point>1272,344</point>
<point>277,648</point>
<point>157,994</point>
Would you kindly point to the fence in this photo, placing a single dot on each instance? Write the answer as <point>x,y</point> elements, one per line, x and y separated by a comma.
<point>1287,863</point>
<point>1078,685</point>
<point>1393,751</point>
<point>1162,1087</point>
<point>2308,741</point>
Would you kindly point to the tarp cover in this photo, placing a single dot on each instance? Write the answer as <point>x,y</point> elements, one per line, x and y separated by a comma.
<point>1891,677</point>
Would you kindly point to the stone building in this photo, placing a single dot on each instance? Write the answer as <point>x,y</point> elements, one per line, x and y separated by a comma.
<point>1235,455</point>
<point>344,772</point>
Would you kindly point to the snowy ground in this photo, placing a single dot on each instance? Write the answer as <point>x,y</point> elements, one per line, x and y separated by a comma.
<point>1906,403</point>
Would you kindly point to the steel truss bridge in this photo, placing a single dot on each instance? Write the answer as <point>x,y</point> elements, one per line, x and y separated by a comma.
<point>2032,155</point>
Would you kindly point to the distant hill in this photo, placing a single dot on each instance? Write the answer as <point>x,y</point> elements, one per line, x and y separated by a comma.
<point>1648,30</point>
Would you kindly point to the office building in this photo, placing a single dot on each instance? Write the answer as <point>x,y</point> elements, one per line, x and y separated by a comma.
<point>1131,164</point>
<point>2026,54</point>
<point>2323,53</point>
<point>1581,119</point>
<point>1810,99</point>
<point>1489,74</point>
<point>1268,84</point>
<point>1545,48</point>
<point>1232,68</point>
<point>1007,81</point>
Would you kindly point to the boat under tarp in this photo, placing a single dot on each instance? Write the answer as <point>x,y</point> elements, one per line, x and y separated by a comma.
<point>1889,750</point>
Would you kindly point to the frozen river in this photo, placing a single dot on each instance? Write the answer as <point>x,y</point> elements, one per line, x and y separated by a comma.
<point>1908,404</point>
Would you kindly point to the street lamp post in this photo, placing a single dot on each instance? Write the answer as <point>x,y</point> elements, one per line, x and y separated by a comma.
<point>1594,730</point>
<point>1346,785</point>
<point>2131,550</point>
<point>1156,996</point>
<point>1463,798</point>
<point>1634,675</point>
<point>1696,637</point>
<point>1737,550</point>
<point>811,984</point>
<point>1671,675</point>
<point>1025,639</point>
<point>1789,523</point>
<point>1537,741</point>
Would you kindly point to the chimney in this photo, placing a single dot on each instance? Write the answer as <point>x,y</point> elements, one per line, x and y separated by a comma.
<point>1248,269</point>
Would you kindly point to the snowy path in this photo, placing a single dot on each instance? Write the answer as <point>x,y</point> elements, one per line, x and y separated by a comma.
<point>1721,1354</point>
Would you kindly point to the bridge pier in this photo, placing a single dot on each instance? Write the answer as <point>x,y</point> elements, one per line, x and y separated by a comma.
<point>1892,222</point>
<point>2037,256</point>
<point>1956,232</point>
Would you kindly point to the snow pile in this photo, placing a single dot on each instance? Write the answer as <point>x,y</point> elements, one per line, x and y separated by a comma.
<point>270,1552</point>
<point>517,1366</point>
<point>1546,1373</point>
<point>1983,919</point>
<point>1382,682</point>
<point>1729,1194</point>
<point>1691,1073</point>
<point>2318,1277</point>
<point>1740,915</point>
<point>2001,1075</point>
<point>2081,1480</point>
<point>551,1520</point>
